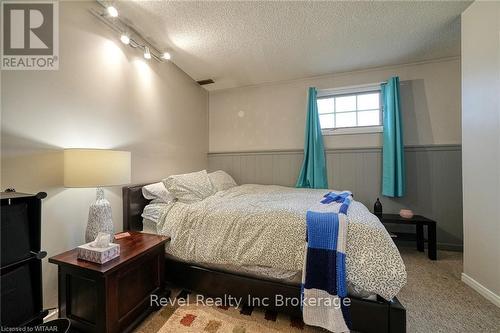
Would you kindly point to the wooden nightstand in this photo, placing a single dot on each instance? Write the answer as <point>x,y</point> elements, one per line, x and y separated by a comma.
<point>115,296</point>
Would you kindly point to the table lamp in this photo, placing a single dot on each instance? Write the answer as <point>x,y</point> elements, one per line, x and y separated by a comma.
<point>97,168</point>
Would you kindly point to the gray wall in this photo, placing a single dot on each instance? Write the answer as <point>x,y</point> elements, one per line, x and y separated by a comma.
<point>434,179</point>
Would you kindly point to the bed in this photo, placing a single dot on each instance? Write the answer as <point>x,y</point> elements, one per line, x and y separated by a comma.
<point>220,277</point>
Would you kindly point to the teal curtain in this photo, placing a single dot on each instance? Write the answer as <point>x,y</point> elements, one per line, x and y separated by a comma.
<point>393,164</point>
<point>313,172</point>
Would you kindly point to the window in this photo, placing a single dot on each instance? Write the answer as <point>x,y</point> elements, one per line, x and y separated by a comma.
<point>353,109</point>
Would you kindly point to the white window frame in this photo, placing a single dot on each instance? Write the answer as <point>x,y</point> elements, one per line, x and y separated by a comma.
<point>351,90</point>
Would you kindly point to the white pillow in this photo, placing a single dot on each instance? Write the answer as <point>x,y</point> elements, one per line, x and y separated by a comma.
<point>157,192</point>
<point>221,180</point>
<point>152,212</point>
<point>190,187</point>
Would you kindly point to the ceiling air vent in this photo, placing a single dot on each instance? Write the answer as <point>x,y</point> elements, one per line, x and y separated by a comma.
<point>204,82</point>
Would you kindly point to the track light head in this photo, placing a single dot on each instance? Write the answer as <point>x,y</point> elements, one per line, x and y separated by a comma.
<point>147,53</point>
<point>125,39</point>
<point>112,11</point>
<point>166,56</point>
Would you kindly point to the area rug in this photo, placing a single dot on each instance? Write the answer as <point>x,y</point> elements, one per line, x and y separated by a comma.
<point>192,317</point>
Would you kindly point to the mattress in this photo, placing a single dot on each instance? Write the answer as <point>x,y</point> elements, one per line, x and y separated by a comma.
<point>251,226</point>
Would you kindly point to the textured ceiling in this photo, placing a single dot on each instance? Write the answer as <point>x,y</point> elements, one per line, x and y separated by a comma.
<point>245,43</point>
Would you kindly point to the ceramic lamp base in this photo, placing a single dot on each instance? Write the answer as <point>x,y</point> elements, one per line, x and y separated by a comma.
<point>100,219</point>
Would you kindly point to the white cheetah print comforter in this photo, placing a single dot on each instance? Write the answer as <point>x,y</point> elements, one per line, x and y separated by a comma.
<point>264,225</point>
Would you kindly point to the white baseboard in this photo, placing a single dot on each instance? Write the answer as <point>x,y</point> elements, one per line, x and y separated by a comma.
<point>53,314</point>
<point>485,292</point>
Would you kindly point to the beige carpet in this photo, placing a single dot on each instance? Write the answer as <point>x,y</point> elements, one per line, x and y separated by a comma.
<point>435,299</point>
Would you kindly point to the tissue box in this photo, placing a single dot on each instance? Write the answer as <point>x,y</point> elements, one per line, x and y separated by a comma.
<point>98,255</point>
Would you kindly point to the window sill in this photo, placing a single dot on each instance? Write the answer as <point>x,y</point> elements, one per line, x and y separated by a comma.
<point>353,130</point>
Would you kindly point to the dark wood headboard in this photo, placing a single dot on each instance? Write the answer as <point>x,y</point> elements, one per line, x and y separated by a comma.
<point>133,205</point>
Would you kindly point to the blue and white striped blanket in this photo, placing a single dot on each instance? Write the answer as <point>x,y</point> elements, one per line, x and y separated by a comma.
<point>324,276</point>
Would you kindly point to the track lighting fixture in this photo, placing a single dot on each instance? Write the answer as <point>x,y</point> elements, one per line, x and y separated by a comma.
<point>125,39</point>
<point>128,35</point>
<point>112,11</point>
<point>147,53</point>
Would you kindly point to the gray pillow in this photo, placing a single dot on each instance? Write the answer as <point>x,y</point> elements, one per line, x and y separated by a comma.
<point>190,187</point>
<point>221,180</point>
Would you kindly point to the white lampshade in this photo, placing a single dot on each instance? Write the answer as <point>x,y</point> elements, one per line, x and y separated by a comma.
<point>96,167</point>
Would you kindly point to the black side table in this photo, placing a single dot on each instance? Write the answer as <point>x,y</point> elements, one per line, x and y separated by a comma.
<point>419,221</point>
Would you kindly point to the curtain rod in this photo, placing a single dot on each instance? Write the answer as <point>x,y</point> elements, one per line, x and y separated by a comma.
<point>366,85</point>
